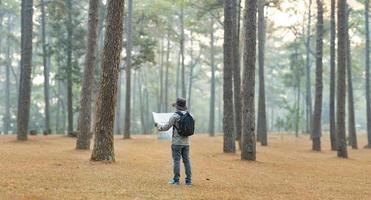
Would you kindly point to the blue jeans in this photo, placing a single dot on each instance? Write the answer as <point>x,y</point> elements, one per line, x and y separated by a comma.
<point>178,152</point>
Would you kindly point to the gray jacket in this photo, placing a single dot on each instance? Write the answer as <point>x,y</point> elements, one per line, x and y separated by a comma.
<point>174,120</point>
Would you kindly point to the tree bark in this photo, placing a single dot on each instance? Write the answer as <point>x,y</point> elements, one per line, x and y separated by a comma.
<point>341,88</point>
<point>262,119</point>
<point>182,40</point>
<point>228,121</point>
<point>248,150</point>
<point>46,68</point>
<point>26,70</point>
<point>351,117</point>
<point>7,80</point>
<point>316,127</point>
<point>143,112</point>
<point>166,106</point>
<point>83,138</point>
<point>212,88</point>
<point>332,77</point>
<point>177,76</point>
<point>308,70</point>
<point>104,142</point>
<point>367,69</point>
<point>69,67</point>
<point>117,124</point>
<point>192,66</point>
<point>297,123</point>
<point>127,123</point>
<point>161,102</point>
<point>236,71</point>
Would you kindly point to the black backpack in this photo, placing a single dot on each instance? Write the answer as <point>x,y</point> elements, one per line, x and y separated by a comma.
<point>186,124</point>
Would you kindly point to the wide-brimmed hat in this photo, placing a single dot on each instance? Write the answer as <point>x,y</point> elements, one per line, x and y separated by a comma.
<point>180,104</point>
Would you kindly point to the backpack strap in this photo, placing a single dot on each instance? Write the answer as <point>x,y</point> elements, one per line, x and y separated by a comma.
<point>181,115</point>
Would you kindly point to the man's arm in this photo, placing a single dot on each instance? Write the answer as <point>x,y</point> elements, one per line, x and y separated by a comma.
<point>168,125</point>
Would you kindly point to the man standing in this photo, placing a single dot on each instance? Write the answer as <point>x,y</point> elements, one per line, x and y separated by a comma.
<point>183,127</point>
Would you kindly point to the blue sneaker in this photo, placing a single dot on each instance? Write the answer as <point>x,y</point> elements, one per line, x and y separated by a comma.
<point>188,183</point>
<point>172,182</point>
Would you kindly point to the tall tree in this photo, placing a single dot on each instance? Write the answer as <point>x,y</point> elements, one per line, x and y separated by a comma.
<point>26,70</point>
<point>166,101</point>
<point>143,111</point>
<point>228,121</point>
<point>367,68</point>
<point>7,79</point>
<point>308,70</point>
<point>46,67</point>
<point>69,27</point>
<point>182,41</point>
<point>262,119</point>
<point>129,24</point>
<point>83,138</point>
<point>341,88</point>
<point>103,147</point>
<point>212,81</point>
<point>177,75</point>
<point>236,70</point>
<point>117,124</point>
<point>332,77</point>
<point>248,146</point>
<point>351,116</point>
<point>161,100</point>
<point>316,127</point>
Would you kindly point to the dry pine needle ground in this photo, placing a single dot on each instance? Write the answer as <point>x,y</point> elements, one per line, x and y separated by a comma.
<point>46,168</point>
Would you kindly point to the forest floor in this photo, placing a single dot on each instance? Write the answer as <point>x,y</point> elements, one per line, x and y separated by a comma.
<point>45,168</point>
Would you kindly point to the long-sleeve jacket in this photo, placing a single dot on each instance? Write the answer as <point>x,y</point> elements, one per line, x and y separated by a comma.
<point>174,121</point>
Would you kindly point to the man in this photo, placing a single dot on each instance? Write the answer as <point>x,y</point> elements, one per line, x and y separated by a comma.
<point>180,143</point>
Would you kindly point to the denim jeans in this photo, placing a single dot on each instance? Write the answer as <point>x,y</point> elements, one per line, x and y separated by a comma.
<point>178,152</point>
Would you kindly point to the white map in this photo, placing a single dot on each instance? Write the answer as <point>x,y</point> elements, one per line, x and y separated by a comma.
<point>162,118</point>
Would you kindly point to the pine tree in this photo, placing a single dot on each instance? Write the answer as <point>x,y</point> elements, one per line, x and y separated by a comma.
<point>248,146</point>
<point>103,144</point>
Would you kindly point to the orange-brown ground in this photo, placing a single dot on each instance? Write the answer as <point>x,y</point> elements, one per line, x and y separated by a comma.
<point>49,168</point>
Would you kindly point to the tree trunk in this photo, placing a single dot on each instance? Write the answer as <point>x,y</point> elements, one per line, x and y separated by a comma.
<point>262,119</point>
<point>69,30</point>
<point>83,139</point>
<point>177,76</point>
<point>161,102</point>
<point>368,99</point>
<point>143,112</point>
<point>26,70</point>
<point>308,70</point>
<point>46,67</point>
<point>127,128</point>
<point>146,104</point>
<point>166,104</point>
<point>117,124</point>
<point>212,88</point>
<point>332,78</point>
<point>236,72</point>
<point>192,66</point>
<point>104,142</point>
<point>351,117</point>
<point>7,79</point>
<point>297,123</point>
<point>220,109</point>
<point>134,100</point>
<point>316,128</point>
<point>182,39</point>
<point>341,88</point>
<point>228,121</point>
<point>58,120</point>
<point>248,150</point>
